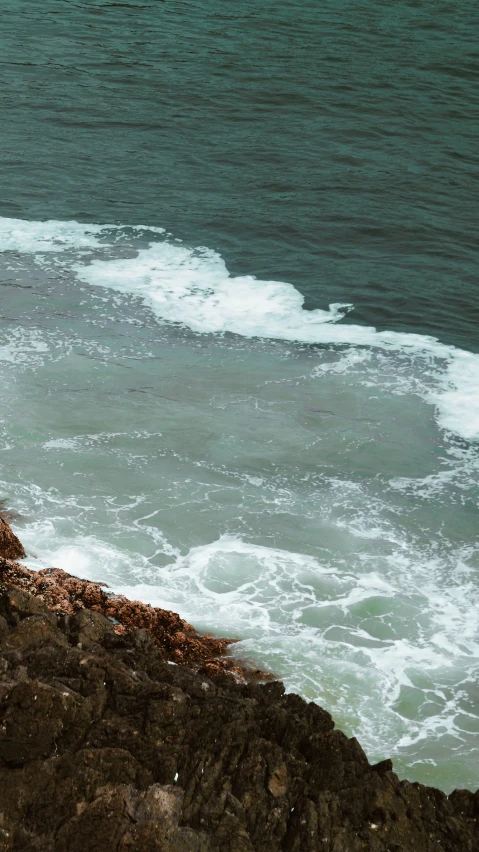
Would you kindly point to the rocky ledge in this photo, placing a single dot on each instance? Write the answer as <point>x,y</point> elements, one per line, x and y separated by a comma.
<point>106,745</point>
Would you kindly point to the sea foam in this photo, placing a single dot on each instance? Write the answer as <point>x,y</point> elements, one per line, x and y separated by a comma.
<point>192,287</point>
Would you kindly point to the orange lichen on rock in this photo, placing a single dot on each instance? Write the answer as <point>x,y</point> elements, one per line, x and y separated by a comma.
<point>65,594</point>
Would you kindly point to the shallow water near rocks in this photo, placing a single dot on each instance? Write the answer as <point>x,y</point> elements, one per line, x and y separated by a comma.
<point>300,497</point>
<point>195,415</point>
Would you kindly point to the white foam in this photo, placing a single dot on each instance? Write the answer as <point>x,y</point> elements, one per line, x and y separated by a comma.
<point>193,287</point>
<point>83,556</point>
<point>61,444</point>
<point>24,346</point>
<point>79,442</point>
<point>19,235</point>
<point>458,401</point>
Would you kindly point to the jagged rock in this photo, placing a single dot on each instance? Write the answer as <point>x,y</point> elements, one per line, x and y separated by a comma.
<point>105,746</point>
<point>125,819</point>
<point>10,545</point>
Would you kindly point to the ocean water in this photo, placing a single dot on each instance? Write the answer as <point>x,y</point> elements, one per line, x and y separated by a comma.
<point>238,337</point>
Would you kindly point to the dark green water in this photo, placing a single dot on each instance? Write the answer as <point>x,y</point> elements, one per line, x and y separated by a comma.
<point>332,145</point>
<point>172,421</point>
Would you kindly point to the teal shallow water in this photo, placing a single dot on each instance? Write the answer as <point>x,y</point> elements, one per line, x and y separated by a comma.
<point>173,420</point>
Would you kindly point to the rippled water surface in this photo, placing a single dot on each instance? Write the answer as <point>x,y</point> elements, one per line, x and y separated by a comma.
<point>238,336</point>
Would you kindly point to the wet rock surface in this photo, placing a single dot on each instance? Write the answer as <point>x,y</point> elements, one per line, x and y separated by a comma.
<point>10,546</point>
<point>108,744</point>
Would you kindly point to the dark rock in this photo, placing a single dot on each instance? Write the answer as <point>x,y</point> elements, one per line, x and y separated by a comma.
<point>111,748</point>
<point>124,819</point>
<point>33,716</point>
<point>89,625</point>
<point>17,604</point>
<point>33,630</point>
<point>466,803</point>
<point>383,766</point>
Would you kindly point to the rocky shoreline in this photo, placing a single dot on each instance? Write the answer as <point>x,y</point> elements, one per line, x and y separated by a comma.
<point>123,729</point>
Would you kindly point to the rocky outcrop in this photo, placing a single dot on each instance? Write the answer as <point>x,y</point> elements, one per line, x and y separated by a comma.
<point>121,731</point>
<point>179,642</point>
<point>105,745</point>
<point>10,546</point>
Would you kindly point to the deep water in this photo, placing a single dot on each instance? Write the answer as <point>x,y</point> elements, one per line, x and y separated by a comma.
<point>174,419</point>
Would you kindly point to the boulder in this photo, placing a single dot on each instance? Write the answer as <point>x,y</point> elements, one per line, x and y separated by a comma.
<point>10,546</point>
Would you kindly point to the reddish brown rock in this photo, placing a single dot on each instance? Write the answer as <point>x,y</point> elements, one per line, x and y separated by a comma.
<point>10,546</point>
<point>67,595</point>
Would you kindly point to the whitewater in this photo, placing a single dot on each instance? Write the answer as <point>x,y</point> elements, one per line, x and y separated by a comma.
<point>287,477</point>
